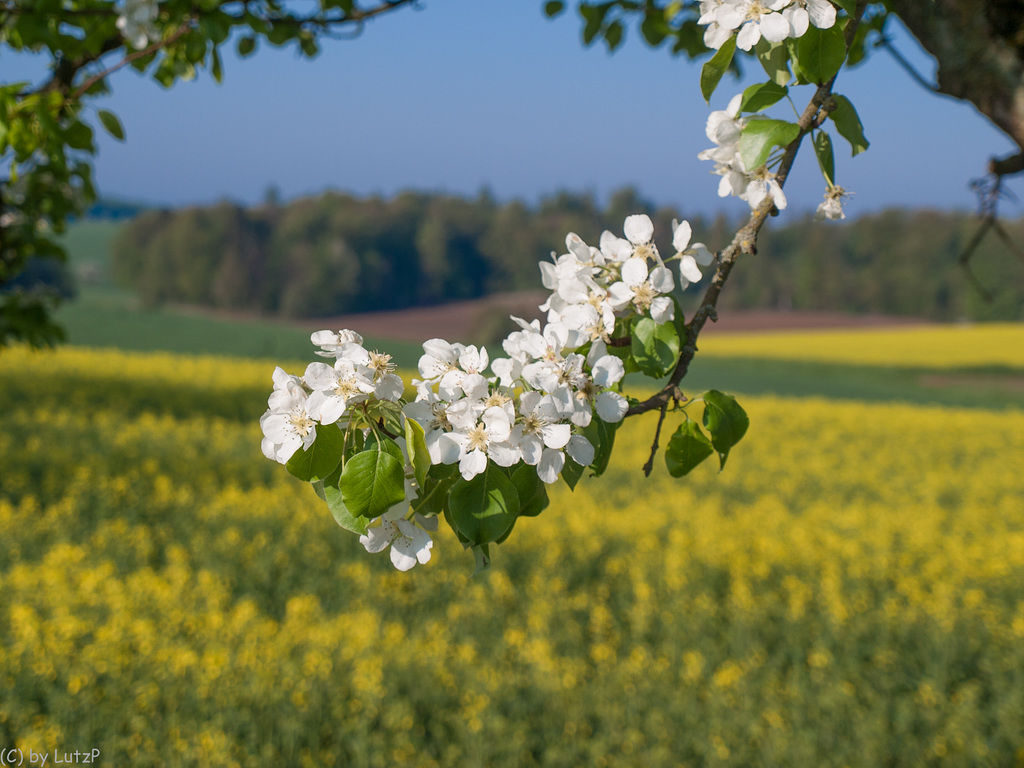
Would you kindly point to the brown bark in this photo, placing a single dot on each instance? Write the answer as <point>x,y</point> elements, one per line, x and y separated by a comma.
<point>979,46</point>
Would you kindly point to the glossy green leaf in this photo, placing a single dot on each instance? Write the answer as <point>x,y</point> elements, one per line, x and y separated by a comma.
<point>759,137</point>
<point>761,96</point>
<point>847,122</point>
<point>826,157</point>
<point>688,447</point>
<point>322,457</point>
<point>373,481</point>
<point>601,435</point>
<point>774,57</point>
<point>483,508</point>
<point>850,6</point>
<point>416,446</point>
<point>571,473</point>
<point>342,516</point>
<point>821,53</point>
<point>726,420</point>
<point>654,347</point>
<point>715,67</point>
<point>111,124</point>
<point>533,494</point>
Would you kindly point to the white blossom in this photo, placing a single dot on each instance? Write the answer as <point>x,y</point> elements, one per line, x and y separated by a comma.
<point>287,424</point>
<point>136,22</point>
<point>689,255</point>
<point>643,288</point>
<point>335,388</point>
<point>832,206</point>
<point>820,13</point>
<point>410,544</point>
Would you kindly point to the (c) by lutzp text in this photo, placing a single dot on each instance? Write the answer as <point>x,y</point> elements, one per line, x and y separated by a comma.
<point>9,758</point>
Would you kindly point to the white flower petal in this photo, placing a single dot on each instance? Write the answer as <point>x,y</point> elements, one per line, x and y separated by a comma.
<point>551,463</point>
<point>688,270</point>
<point>634,272</point>
<point>581,450</point>
<point>639,229</point>
<point>611,406</point>
<point>681,234</point>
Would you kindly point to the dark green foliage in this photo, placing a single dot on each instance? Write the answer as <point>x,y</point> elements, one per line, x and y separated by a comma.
<point>897,262</point>
<point>335,254</point>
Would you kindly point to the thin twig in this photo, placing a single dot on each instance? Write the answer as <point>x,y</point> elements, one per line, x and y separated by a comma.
<point>885,42</point>
<point>649,466</point>
<point>185,27</point>
<point>1008,241</point>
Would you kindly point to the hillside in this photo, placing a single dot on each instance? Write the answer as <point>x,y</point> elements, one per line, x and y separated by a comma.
<point>339,255</point>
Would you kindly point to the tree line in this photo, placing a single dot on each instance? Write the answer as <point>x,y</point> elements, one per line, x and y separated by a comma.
<point>336,254</point>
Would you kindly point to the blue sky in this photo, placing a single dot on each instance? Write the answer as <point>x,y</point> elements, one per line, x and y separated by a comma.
<point>462,94</point>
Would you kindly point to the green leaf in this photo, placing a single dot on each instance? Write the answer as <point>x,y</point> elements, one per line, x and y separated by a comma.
<point>725,420</point>
<point>216,68</point>
<point>655,347</point>
<point>774,57</point>
<point>553,7</point>
<point>713,69</point>
<point>431,496</point>
<point>416,445</point>
<point>485,507</point>
<point>760,136</point>
<point>594,17</point>
<point>688,447</point>
<point>533,494</point>
<point>373,481</point>
<point>847,122</point>
<point>571,473</point>
<point>821,53</point>
<point>850,6</point>
<point>761,96</point>
<point>78,135</point>
<point>825,155</point>
<point>654,29</point>
<point>342,516</point>
<point>601,435</point>
<point>246,46</point>
<point>111,124</point>
<point>322,457</point>
<point>482,558</point>
<point>613,35</point>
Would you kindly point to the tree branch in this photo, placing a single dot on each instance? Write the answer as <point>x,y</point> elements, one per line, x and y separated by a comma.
<point>745,240</point>
<point>185,27</point>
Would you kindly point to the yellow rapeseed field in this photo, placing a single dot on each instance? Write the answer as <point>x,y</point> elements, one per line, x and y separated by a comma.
<point>848,592</point>
<point>929,346</point>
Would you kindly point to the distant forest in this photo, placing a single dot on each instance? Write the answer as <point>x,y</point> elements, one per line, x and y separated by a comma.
<point>337,254</point>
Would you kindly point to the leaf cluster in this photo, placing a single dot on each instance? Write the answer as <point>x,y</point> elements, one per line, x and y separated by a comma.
<point>47,129</point>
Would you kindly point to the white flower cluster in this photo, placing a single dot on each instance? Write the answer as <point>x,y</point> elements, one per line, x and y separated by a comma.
<point>530,407</point>
<point>325,393</point>
<point>724,127</point>
<point>136,22</point>
<point>536,401</point>
<point>774,20</point>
